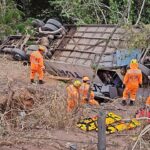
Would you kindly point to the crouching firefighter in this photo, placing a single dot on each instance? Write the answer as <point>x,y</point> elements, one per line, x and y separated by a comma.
<point>86,94</point>
<point>132,81</point>
<point>37,64</point>
<point>73,99</point>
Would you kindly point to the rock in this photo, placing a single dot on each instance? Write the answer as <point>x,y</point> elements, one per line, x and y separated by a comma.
<point>23,96</point>
<point>44,41</point>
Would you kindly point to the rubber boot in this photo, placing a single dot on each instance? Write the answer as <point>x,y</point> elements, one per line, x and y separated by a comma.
<point>41,82</point>
<point>131,103</point>
<point>32,81</point>
<point>124,102</point>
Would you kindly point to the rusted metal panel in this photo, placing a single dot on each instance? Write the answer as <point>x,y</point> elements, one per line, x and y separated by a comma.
<point>85,45</point>
<point>69,70</point>
<point>81,45</point>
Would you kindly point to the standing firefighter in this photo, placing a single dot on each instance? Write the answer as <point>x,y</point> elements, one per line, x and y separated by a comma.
<point>37,64</point>
<point>87,96</point>
<point>73,95</point>
<point>132,80</point>
<point>148,101</point>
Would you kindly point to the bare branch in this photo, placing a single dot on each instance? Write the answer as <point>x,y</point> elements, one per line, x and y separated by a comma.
<point>129,9</point>
<point>139,17</point>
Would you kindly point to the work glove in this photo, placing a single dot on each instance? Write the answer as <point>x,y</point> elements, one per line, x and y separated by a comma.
<point>123,86</point>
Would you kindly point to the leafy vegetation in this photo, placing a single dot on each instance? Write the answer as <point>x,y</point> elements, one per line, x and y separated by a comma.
<point>88,11</point>
<point>103,11</point>
<point>9,16</point>
<point>15,15</point>
<point>11,21</point>
<point>136,39</point>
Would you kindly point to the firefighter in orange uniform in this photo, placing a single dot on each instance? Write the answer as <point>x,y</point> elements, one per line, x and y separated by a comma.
<point>148,101</point>
<point>148,98</point>
<point>37,64</point>
<point>84,91</point>
<point>132,80</point>
<point>73,99</point>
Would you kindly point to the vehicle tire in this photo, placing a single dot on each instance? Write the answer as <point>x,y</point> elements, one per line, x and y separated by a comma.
<point>18,54</point>
<point>49,27</point>
<point>38,23</point>
<point>54,22</point>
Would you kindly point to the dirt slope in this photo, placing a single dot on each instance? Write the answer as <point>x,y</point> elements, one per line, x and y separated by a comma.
<point>47,138</point>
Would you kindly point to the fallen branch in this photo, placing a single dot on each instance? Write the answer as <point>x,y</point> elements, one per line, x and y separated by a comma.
<point>59,78</point>
<point>11,92</point>
<point>6,143</point>
<point>143,132</point>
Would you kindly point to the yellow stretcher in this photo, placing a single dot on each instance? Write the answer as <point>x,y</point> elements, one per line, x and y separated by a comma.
<point>89,124</point>
<point>122,126</point>
<point>113,124</point>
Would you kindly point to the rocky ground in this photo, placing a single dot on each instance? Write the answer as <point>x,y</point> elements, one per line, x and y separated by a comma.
<point>36,117</point>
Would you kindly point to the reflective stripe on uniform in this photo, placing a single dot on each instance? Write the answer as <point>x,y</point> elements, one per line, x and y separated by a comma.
<point>134,71</point>
<point>133,74</point>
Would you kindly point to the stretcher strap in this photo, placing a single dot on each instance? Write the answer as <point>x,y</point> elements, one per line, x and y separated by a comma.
<point>116,128</point>
<point>87,124</point>
<point>112,118</point>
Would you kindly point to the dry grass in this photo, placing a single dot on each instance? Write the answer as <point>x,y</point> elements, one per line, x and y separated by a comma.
<point>47,108</point>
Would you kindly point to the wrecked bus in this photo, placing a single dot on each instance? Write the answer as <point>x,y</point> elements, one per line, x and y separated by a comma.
<point>80,49</point>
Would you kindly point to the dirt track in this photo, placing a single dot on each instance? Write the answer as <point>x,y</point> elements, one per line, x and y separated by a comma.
<point>54,139</point>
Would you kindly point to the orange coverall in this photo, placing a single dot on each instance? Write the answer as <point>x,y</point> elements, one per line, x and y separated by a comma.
<point>84,88</point>
<point>37,65</point>
<point>132,80</point>
<point>148,101</point>
<point>73,97</point>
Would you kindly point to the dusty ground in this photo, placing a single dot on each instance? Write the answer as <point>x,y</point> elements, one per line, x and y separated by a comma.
<point>44,138</point>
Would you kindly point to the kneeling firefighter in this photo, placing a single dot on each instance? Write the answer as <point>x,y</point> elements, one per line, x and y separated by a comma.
<point>73,94</point>
<point>86,95</point>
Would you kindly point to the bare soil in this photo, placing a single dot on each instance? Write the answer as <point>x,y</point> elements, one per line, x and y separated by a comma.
<point>41,136</point>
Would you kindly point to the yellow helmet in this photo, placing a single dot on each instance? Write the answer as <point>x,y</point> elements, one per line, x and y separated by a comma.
<point>133,64</point>
<point>77,83</point>
<point>134,61</point>
<point>41,48</point>
<point>85,78</point>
